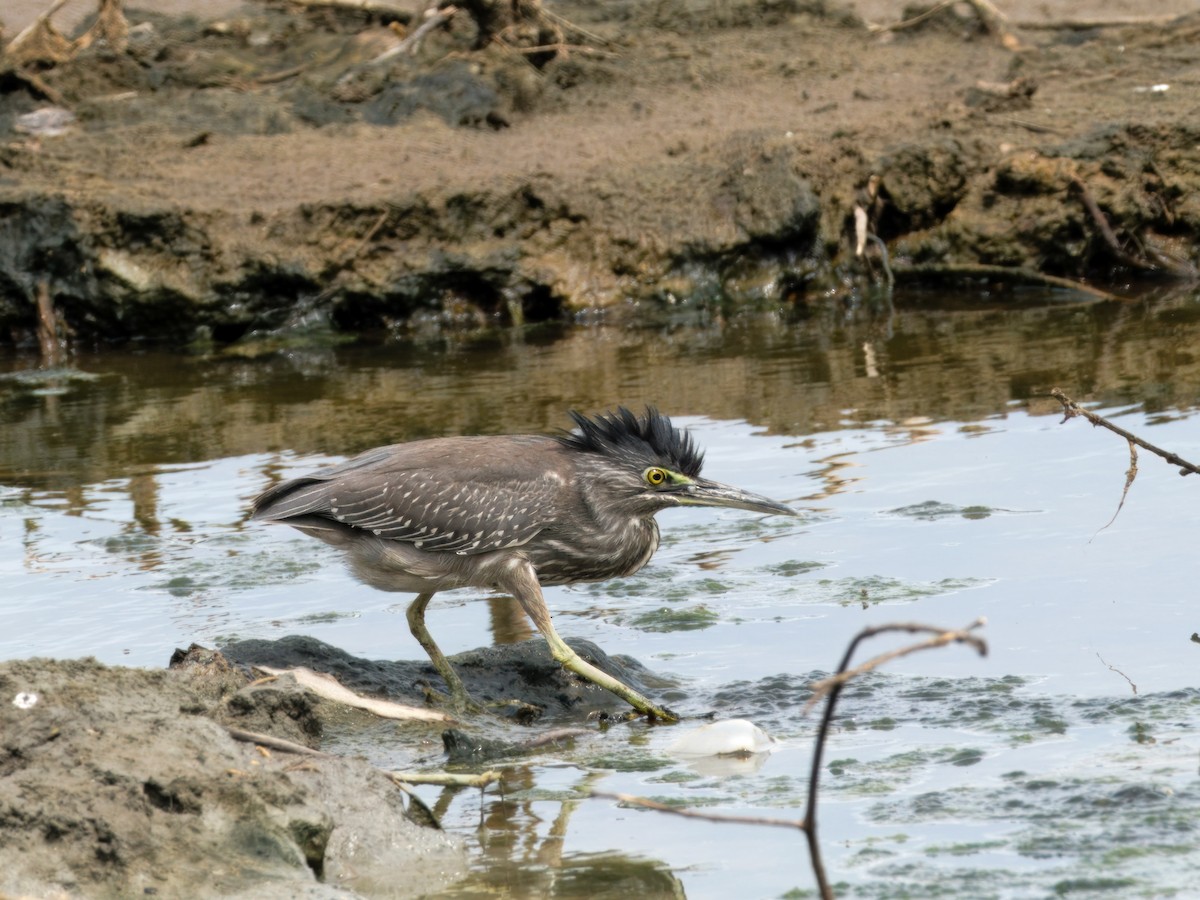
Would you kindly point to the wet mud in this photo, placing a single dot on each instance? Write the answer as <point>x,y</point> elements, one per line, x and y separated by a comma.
<point>281,167</point>
<point>123,782</point>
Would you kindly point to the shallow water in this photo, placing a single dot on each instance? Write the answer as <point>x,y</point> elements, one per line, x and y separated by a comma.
<point>937,485</point>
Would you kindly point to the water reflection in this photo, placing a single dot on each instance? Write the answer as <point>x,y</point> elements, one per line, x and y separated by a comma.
<point>154,408</point>
<point>943,490</point>
<point>522,853</point>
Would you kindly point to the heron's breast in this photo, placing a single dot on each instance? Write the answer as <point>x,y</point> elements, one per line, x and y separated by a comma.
<point>593,554</point>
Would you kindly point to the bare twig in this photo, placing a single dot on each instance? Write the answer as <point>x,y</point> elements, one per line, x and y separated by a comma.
<point>1071,409</point>
<point>271,742</point>
<point>571,26</point>
<point>446,779</point>
<point>368,6</point>
<point>324,685</point>
<point>1093,24</point>
<point>1130,475</point>
<point>49,338</point>
<point>40,41</point>
<point>830,689</point>
<point>1012,274</point>
<point>1035,127</point>
<point>915,20</point>
<point>837,682</point>
<point>562,48</point>
<point>994,22</point>
<point>1118,671</point>
<point>1162,261</point>
<point>940,638</point>
<point>410,43</point>
<point>646,803</point>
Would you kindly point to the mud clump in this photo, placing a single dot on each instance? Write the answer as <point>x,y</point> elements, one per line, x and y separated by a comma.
<point>287,168</point>
<point>119,783</point>
<point>122,782</point>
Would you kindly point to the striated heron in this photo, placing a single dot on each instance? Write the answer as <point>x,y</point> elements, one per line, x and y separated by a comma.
<point>512,513</point>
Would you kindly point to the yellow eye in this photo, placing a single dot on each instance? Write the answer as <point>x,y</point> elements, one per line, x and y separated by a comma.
<point>656,476</point>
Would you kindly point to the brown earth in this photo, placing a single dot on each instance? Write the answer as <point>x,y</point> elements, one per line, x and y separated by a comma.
<point>123,782</point>
<point>259,171</point>
<point>118,782</point>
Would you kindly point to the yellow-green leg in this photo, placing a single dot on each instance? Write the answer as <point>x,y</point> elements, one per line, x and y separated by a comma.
<point>459,700</point>
<point>526,589</point>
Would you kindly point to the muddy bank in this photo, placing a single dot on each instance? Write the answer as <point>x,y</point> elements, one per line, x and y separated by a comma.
<point>276,168</point>
<point>120,782</point>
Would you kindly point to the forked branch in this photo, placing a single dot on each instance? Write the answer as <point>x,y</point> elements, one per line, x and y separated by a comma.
<point>1071,409</point>
<point>829,689</point>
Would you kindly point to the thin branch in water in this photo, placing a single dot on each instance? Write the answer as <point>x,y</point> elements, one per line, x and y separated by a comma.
<point>1130,475</point>
<point>831,689</point>
<point>646,803</point>
<point>1071,409</point>
<point>1118,671</point>
<point>940,638</point>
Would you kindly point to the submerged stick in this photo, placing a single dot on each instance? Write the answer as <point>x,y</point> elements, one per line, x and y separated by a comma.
<point>647,803</point>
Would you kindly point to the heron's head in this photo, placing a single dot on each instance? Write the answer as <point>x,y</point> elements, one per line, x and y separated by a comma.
<point>649,464</point>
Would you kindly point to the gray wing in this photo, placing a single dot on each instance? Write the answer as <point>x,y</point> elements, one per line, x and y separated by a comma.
<point>466,495</point>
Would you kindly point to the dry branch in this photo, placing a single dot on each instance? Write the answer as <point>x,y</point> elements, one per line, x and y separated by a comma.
<point>272,743</point>
<point>445,779</point>
<point>1113,668</point>
<point>940,638</point>
<point>1130,475</point>
<point>1011,274</point>
<point>40,43</point>
<point>1071,409</point>
<point>1095,24</point>
<point>647,803</point>
<point>398,9</point>
<point>1162,262</point>
<point>410,44</point>
<point>830,689</point>
<point>993,21</point>
<point>48,331</point>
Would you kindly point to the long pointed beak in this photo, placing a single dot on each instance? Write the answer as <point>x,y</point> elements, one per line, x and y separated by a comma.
<point>703,492</point>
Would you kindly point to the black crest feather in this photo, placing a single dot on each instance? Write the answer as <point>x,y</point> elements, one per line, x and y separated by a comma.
<point>649,439</point>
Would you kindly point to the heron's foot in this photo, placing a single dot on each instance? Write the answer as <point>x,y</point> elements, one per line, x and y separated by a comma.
<point>458,701</point>
<point>462,703</point>
<point>651,713</point>
<point>524,713</point>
